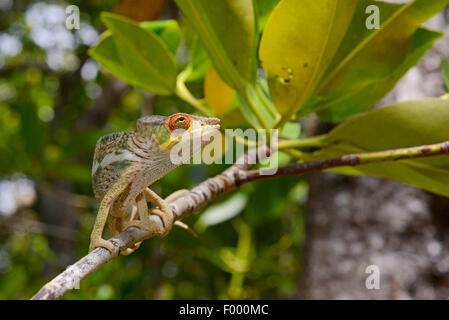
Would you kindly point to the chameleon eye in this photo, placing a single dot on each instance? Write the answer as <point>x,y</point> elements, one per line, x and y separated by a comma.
<point>178,121</point>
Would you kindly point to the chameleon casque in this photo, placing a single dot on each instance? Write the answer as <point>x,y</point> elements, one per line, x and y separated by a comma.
<point>126,163</point>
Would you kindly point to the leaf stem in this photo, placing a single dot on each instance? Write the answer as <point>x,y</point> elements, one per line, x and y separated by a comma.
<point>247,97</point>
<point>353,160</point>
<point>299,155</point>
<point>309,142</point>
<point>184,93</point>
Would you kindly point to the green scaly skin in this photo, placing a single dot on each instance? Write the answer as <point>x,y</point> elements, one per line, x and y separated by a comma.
<point>126,163</point>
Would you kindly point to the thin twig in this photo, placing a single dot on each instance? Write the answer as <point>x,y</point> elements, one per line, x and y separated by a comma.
<point>353,160</point>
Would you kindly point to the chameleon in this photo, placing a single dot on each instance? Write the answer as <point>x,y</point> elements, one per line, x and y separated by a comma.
<point>125,164</point>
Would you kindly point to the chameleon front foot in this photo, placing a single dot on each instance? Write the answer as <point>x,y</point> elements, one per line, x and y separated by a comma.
<point>99,242</point>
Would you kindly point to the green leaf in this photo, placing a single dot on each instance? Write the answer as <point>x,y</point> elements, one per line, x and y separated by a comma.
<point>445,72</point>
<point>261,103</point>
<point>364,97</point>
<point>370,59</point>
<point>227,31</point>
<point>106,53</point>
<point>263,10</point>
<point>167,30</point>
<point>199,62</point>
<point>298,44</point>
<point>32,130</point>
<point>291,130</point>
<point>144,54</point>
<point>400,125</point>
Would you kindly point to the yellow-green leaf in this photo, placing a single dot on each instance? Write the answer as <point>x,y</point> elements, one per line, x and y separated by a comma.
<point>144,54</point>
<point>217,93</point>
<point>361,98</point>
<point>298,44</point>
<point>167,30</point>
<point>106,53</point>
<point>227,30</point>
<point>375,58</point>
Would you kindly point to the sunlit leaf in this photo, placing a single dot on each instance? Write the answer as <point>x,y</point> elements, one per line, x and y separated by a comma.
<point>218,94</point>
<point>227,30</point>
<point>144,54</point>
<point>298,44</point>
<point>167,30</point>
<point>263,10</point>
<point>106,53</point>
<point>370,62</point>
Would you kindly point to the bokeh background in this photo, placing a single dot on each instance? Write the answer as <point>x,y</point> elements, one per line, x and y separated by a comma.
<point>297,237</point>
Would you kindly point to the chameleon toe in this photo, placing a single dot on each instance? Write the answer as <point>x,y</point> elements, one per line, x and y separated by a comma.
<point>103,244</point>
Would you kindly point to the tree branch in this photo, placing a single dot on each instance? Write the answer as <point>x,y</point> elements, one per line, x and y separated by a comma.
<point>354,160</point>
<point>206,192</point>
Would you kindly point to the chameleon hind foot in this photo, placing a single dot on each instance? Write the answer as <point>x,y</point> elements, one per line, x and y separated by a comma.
<point>99,242</point>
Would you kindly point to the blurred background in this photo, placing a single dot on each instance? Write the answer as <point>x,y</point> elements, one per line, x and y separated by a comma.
<point>287,238</point>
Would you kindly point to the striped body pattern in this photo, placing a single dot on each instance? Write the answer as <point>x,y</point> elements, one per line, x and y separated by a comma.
<point>124,150</point>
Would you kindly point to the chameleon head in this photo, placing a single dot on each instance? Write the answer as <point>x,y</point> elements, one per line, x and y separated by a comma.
<point>178,132</point>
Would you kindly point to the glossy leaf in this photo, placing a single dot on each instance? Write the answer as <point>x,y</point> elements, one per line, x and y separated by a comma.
<point>296,61</point>
<point>106,53</point>
<point>400,125</point>
<point>255,95</point>
<point>364,97</point>
<point>199,62</point>
<point>263,10</point>
<point>291,130</point>
<point>217,93</point>
<point>372,61</point>
<point>227,31</point>
<point>167,30</point>
<point>145,55</point>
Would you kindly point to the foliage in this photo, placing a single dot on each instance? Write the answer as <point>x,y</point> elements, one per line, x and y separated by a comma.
<point>321,59</point>
<point>260,64</point>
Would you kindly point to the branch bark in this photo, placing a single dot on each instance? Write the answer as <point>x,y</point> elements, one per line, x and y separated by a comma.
<point>206,192</point>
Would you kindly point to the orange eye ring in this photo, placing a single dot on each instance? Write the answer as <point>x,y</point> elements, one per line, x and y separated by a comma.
<point>179,121</point>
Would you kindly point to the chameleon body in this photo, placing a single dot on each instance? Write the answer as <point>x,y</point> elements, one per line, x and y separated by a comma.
<point>126,163</point>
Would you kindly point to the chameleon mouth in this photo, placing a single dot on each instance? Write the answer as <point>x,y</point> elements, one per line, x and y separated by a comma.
<point>203,133</point>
